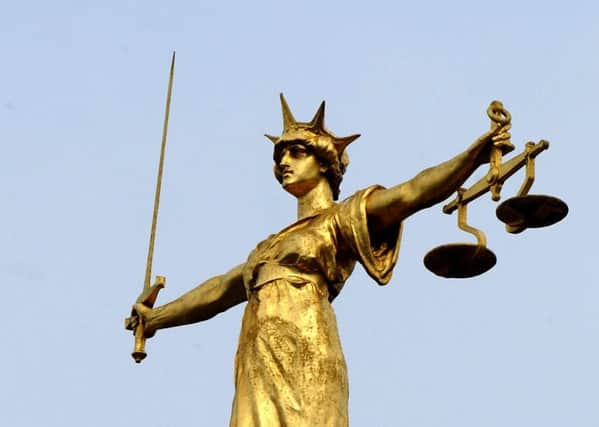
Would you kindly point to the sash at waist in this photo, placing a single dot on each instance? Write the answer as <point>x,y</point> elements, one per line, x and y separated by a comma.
<point>269,272</point>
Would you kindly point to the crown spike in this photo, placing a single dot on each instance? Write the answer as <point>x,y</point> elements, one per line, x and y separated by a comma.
<point>342,143</point>
<point>317,122</point>
<point>288,119</point>
<point>274,139</point>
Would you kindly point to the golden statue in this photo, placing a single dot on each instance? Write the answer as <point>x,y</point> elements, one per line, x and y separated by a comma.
<point>289,367</point>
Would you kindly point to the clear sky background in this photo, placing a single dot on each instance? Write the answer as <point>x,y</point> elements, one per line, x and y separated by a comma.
<point>82,88</point>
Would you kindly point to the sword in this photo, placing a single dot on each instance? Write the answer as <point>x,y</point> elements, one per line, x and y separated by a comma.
<point>150,292</point>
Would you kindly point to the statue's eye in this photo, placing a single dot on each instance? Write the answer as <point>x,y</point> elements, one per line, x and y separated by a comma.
<point>297,151</point>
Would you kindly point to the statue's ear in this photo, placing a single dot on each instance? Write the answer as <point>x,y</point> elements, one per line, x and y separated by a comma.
<point>322,167</point>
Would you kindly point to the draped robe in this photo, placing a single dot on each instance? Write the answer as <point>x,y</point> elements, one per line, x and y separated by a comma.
<point>289,366</point>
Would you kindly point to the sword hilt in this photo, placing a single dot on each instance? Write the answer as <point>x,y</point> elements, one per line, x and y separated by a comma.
<point>147,298</point>
<point>139,349</point>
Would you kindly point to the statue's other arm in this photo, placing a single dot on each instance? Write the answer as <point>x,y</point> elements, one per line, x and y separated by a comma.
<point>390,206</point>
<point>203,302</point>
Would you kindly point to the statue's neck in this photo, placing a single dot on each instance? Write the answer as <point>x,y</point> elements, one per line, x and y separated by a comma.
<point>317,199</point>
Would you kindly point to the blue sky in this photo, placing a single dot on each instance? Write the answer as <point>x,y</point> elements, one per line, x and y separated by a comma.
<point>82,90</point>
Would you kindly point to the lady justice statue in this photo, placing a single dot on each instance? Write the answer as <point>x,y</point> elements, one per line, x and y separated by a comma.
<point>289,366</point>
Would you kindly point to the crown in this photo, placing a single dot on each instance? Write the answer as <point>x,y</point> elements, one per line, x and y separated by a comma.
<point>309,131</point>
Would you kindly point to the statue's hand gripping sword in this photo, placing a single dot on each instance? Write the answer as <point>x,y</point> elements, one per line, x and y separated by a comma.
<point>150,293</point>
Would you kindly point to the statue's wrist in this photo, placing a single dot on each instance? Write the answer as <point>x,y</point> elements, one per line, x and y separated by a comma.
<point>152,320</point>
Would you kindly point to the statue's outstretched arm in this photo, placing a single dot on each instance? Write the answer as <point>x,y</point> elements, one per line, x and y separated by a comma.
<point>389,207</point>
<point>203,302</point>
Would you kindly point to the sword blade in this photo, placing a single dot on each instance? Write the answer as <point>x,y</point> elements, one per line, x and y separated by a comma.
<point>159,178</point>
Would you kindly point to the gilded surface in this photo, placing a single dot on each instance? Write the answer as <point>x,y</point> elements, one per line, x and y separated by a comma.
<point>290,369</point>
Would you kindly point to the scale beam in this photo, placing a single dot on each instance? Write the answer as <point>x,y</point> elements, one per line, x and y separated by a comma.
<point>506,170</point>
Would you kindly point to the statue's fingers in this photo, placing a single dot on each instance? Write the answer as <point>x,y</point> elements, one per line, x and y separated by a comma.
<point>503,136</point>
<point>131,323</point>
<point>140,309</point>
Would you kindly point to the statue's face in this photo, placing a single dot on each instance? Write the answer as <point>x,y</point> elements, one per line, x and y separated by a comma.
<point>300,169</point>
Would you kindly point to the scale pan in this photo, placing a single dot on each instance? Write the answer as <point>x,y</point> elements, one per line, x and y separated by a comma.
<point>532,211</point>
<point>459,260</point>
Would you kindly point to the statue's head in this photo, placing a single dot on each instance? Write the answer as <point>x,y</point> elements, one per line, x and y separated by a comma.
<point>329,149</point>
